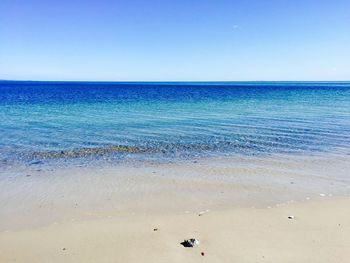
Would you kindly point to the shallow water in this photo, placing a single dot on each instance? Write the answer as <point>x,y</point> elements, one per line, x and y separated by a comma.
<point>70,123</point>
<point>35,197</point>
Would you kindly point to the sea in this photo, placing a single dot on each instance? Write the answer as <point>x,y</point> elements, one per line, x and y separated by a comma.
<point>84,123</point>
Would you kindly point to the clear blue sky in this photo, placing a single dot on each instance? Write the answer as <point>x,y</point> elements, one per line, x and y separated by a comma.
<point>177,40</point>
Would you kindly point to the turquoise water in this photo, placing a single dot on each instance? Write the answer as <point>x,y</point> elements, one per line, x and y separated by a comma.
<point>69,121</point>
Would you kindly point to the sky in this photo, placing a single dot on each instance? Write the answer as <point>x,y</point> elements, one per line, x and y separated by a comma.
<point>175,40</point>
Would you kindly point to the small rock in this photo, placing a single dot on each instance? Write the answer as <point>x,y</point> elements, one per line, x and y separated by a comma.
<point>202,253</point>
<point>64,249</point>
<point>28,175</point>
<point>190,242</point>
<point>155,229</point>
<point>35,162</point>
<point>290,217</point>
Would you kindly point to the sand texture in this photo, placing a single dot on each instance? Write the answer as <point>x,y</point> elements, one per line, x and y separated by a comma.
<point>318,232</point>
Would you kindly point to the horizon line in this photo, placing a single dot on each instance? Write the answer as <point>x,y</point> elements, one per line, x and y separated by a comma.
<point>169,81</point>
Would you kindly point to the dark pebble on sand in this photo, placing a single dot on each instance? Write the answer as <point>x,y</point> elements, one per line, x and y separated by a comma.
<point>190,242</point>
<point>35,163</point>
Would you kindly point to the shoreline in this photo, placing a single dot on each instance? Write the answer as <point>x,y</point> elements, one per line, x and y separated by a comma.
<point>318,231</point>
<point>34,197</point>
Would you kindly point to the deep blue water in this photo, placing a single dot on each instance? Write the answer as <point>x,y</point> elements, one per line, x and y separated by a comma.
<point>42,121</point>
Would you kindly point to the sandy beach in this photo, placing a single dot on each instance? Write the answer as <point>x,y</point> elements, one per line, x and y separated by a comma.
<point>319,231</point>
<point>237,208</point>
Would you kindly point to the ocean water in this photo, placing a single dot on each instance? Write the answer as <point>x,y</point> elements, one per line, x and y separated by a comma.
<point>79,122</point>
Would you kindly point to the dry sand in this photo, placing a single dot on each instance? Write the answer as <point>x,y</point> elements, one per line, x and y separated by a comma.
<point>319,232</point>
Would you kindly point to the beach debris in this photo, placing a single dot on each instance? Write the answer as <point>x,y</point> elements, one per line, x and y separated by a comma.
<point>290,217</point>
<point>202,253</point>
<point>190,242</point>
<point>155,229</point>
<point>64,249</point>
<point>203,212</point>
